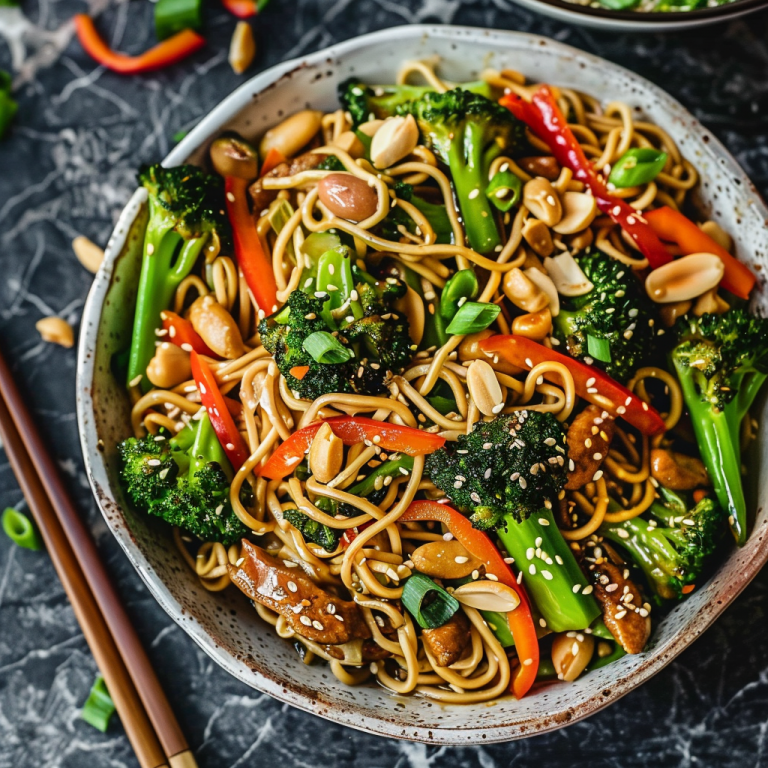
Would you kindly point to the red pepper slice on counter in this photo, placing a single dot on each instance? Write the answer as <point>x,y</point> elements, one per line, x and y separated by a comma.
<point>181,332</point>
<point>218,412</point>
<point>674,227</point>
<point>244,9</point>
<point>272,160</point>
<point>480,545</point>
<point>352,430</point>
<point>253,261</point>
<point>544,118</point>
<point>175,48</point>
<point>591,383</point>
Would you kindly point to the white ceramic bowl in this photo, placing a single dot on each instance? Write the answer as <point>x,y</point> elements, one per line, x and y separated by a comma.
<point>224,625</point>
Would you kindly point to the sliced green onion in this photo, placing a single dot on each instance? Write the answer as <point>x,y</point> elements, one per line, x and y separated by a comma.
<point>8,110</point>
<point>318,243</point>
<point>462,285</point>
<point>99,706</point>
<point>636,166</point>
<point>389,468</point>
<point>429,604</point>
<point>172,16</point>
<point>505,190</point>
<point>20,529</point>
<point>283,316</point>
<point>499,625</point>
<point>327,349</point>
<point>279,216</point>
<point>472,317</point>
<point>600,630</point>
<point>600,349</point>
<point>443,405</point>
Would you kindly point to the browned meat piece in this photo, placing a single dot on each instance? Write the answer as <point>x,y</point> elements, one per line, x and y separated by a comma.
<point>589,440</point>
<point>622,605</point>
<point>310,611</point>
<point>262,198</point>
<point>678,471</point>
<point>374,652</point>
<point>448,643</point>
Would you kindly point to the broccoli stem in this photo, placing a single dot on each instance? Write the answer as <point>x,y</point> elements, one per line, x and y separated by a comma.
<point>434,324</point>
<point>469,171</point>
<point>163,267</point>
<point>717,435</point>
<point>551,586</point>
<point>207,448</point>
<point>334,277</point>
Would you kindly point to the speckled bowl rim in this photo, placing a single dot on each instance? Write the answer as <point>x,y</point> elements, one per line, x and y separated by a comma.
<point>262,680</point>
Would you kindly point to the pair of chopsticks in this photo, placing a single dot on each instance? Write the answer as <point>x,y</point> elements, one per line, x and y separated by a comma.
<point>141,704</point>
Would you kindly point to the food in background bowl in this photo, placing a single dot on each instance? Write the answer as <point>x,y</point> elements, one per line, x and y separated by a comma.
<point>406,384</point>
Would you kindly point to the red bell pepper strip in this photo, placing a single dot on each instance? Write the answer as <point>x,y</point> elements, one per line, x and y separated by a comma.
<point>175,48</point>
<point>253,261</point>
<point>351,533</point>
<point>480,545</point>
<point>271,161</point>
<point>674,227</point>
<point>244,9</point>
<point>221,419</point>
<point>544,118</point>
<point>352,430</point>
<point>181,333</point>
<point>590,383</point>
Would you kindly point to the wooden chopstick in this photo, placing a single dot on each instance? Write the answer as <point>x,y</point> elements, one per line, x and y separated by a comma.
<point>126,640</point>
<point>139,730</point>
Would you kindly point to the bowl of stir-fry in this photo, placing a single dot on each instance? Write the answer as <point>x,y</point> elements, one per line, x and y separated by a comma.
<point>423,374</point>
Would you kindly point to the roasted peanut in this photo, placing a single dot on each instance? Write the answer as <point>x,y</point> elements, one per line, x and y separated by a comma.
<point>349,142</point>
<point>370,128</point>
<point>545,166</point>
<point>571,652</point>
<point>292,134</point>
<point>522,292</point>
<point>678,471</point>
<point>216,327</point>
<point>347,197</point>
<point>580,240</point>
<point>485,595</point>
<point>541,199</point>
<point>326,454</point>
<point>718,234</point>
<point>444,560</point>
<point>568,277</point>
<point>232,156</point>
<point>710,303</point>
<point>56,330</point>
<point>242,48</point>
<point>670,312</point>
<point>394,140</point>
<point>579,211</point>
<point>544,282</point>
<point>534,325</point>
<point>537,235</point>
<point>88,253</point>
<point>469,349</point>
<point>484,388</point>
<point>169,367</point>
<point>685,278</point>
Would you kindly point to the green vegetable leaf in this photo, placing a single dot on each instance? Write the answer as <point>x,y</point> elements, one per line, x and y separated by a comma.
<point>99,706</point>
<point>637,166</point>
<point>20,530</point>
<point>473,316</point>
<point>428,603</point>
<point>600,349</point>
<point>462,285</point>
<point>505,190</point>
<point>325,348</point>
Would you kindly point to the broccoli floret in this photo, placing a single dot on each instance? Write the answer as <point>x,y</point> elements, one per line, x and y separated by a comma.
<point>672,555</point>
<point>508,472</point>
<point>371,102</point>
<point>185,481</point>
<point>467,131</point>
<point>357,309</point>
<point>310,529</point>
<point>186,210</point>
<point>614,326</point>
<point>722,362</point>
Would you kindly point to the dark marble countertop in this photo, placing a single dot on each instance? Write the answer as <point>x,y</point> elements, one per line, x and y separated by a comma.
<point>67,168</point>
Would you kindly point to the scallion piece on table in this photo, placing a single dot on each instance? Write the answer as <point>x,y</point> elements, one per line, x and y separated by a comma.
<point>20,529</point>
<point>428,603</point>
<point>8,106</point>
<point>505,190</point>
<point>325,348</point>
<point>636,166</point>
<point>99,707</point>
<point>600,349</point>
<point>462,285</point>
<point>172,16</point>
<point>473,316</point>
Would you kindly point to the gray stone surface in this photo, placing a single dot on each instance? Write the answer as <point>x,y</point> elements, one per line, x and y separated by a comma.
<point>66,169</point>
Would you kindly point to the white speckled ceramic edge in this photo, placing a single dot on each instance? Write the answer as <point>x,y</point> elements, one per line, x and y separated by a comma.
<point>223,624</point>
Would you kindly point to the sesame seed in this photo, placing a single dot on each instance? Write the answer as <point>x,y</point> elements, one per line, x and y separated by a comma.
<point>317,625</point>
<point>532,569</point>
<point>447,536</point>
<point>576,588</point>
<point>491,576</point>
<point>306,621</point>
<point>547,575</point>
<point>597,475</point>
<point>240,562</point>
<point>292,586</point>
<point>460,559</point>
<point>587,590</point>
<point>543,521</point>
<point>611,587</point>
